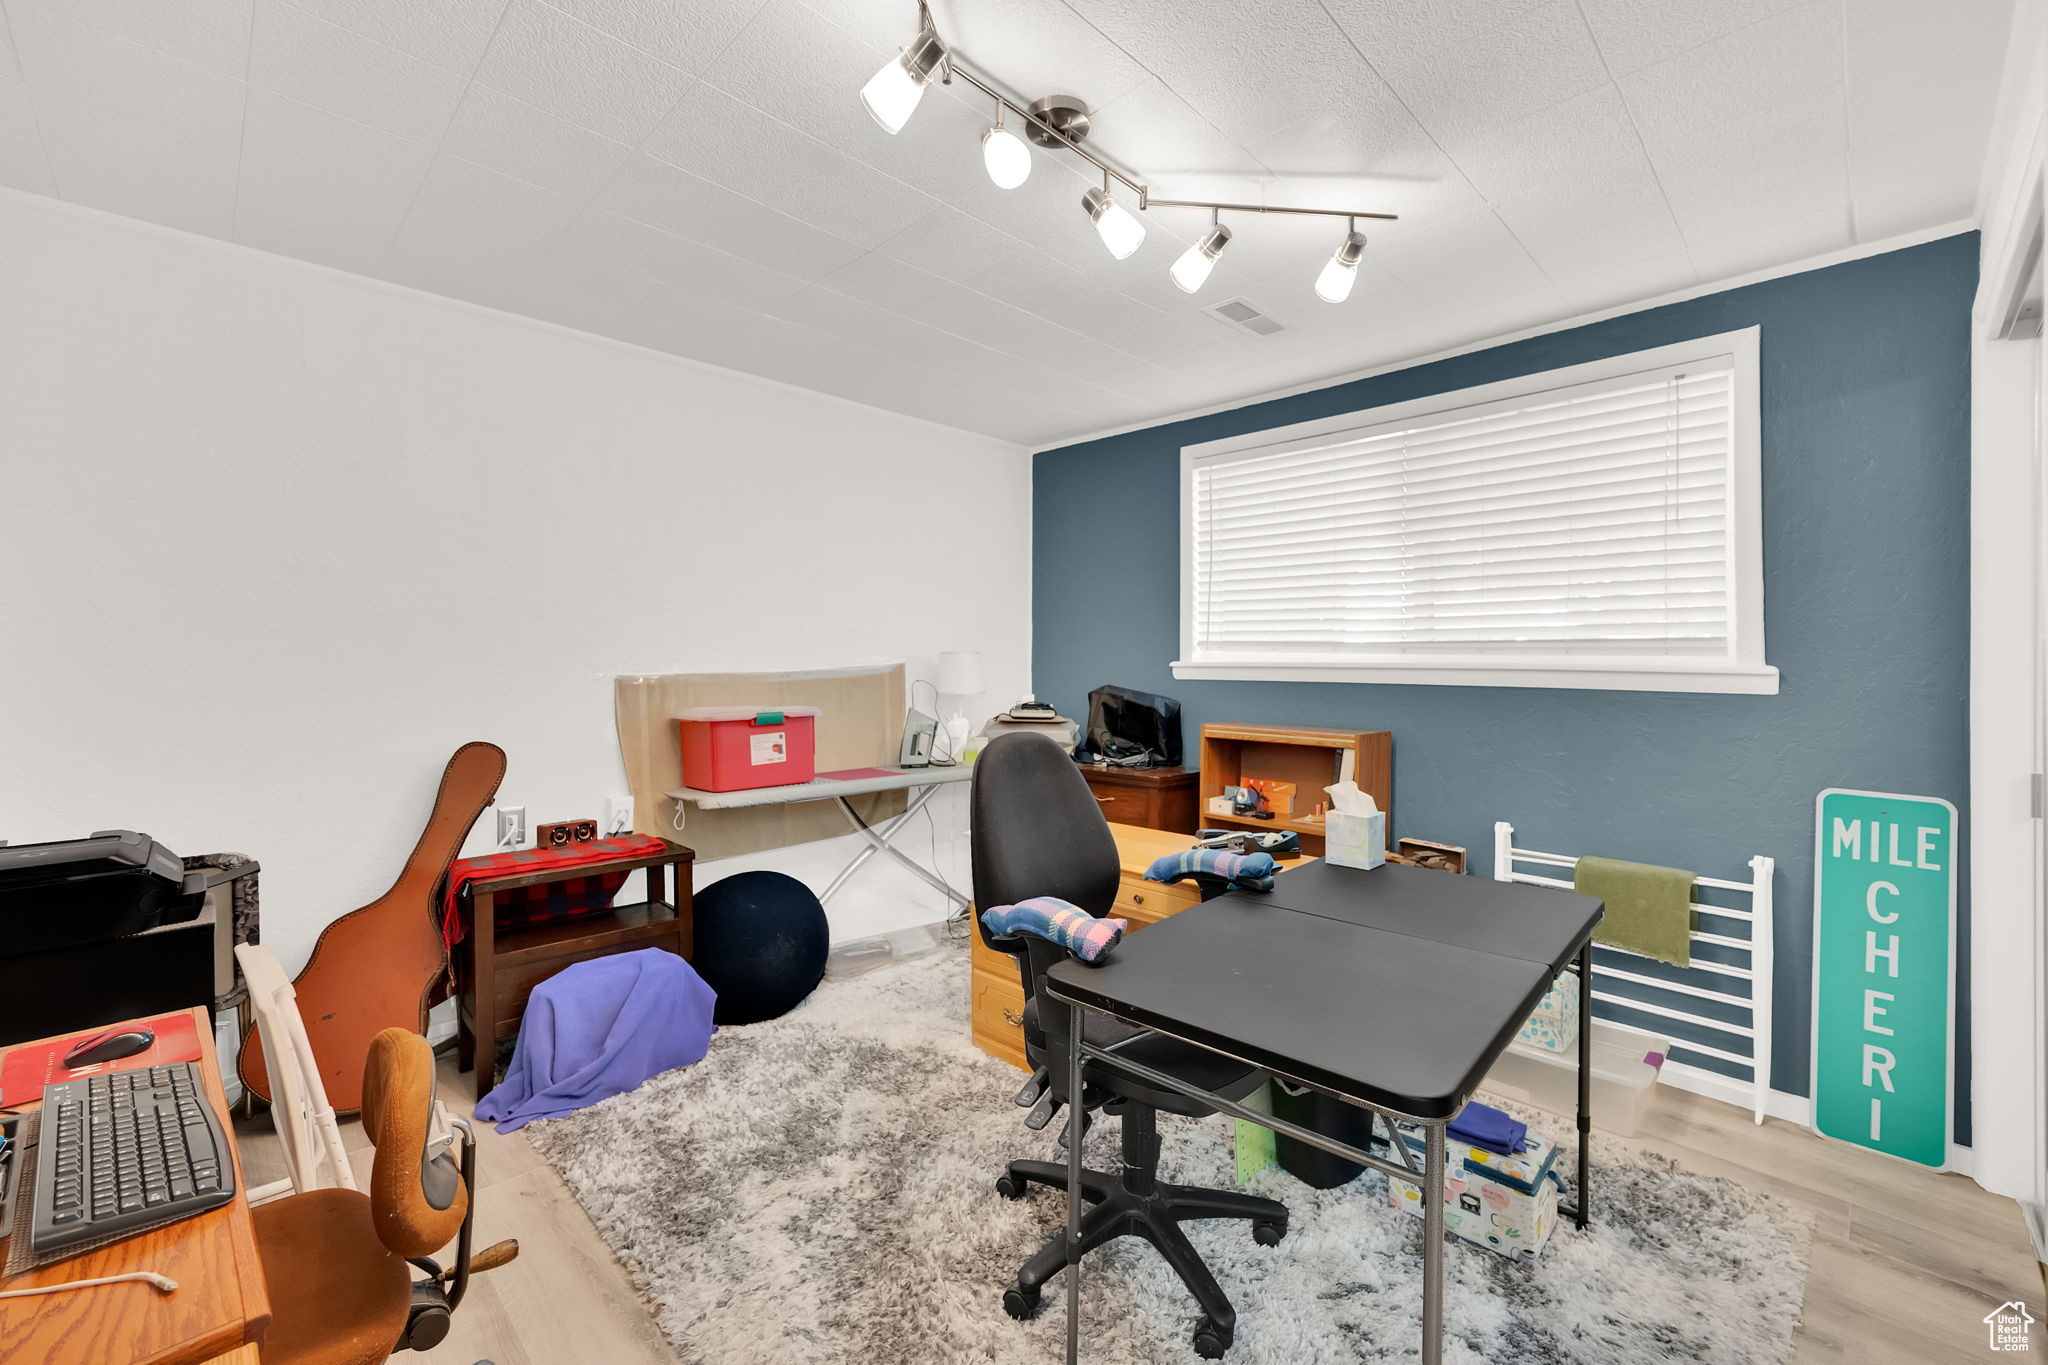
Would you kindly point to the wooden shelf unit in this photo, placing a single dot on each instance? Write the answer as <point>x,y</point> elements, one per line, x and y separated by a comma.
<point>497,969</point>
<point>1310,757</point>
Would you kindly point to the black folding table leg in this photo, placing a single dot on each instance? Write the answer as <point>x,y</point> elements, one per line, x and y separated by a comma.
<point>1585,1193</point>
<point>1077,1130</point>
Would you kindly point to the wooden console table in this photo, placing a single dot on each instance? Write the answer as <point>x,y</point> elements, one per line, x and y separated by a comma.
<point>496,971</point>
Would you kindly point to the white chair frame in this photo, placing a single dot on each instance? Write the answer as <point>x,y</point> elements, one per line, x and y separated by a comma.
<point>306,1127</point>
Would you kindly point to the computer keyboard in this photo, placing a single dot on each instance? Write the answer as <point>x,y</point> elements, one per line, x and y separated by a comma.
<point>126,1151</point>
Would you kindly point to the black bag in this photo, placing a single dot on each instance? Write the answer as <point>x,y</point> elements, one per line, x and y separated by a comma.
<point>1134,729</point>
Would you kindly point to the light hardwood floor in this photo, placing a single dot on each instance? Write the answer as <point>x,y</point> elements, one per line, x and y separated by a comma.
<point>1905,1263</point>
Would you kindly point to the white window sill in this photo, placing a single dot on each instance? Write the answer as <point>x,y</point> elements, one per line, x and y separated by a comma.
<point>1601,674</point>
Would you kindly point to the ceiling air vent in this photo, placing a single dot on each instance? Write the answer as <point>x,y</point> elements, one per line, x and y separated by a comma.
<point>1240,314</point>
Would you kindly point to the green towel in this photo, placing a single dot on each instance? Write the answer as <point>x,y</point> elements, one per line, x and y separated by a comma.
<point>1649,909</point>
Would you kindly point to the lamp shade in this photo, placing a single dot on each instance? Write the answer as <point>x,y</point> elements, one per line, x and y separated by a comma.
<point>959,673</point>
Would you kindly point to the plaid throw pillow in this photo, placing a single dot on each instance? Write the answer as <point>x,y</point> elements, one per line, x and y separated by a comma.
<point>1058,921</point>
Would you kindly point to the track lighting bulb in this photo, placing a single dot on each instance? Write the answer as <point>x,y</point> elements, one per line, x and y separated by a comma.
<point>1119,228</point>
<point>1191,271</point>
<point>1340,272</point>
<point>892,95</point>
<point>1004,154</point>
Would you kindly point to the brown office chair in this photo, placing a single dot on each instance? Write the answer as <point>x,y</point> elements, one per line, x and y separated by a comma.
<point>336,1259</point>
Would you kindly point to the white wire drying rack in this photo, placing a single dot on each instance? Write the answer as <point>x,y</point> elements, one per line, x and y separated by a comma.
<point>1747,987</point>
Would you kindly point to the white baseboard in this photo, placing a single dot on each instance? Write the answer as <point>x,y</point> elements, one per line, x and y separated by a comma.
<point>1794,1109</point>
<point>2037,1227</point>
<point>1712,1084</point>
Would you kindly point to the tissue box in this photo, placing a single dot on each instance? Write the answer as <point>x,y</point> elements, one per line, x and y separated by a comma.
<point>1507,1204</point>
<point>1555,1024</point>
<point>1355,840</point>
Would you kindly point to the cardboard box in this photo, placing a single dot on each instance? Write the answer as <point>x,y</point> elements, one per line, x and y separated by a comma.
<point>1279,795</point>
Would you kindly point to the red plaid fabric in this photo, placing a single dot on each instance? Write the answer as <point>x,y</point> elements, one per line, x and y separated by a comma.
<point>530,905</point>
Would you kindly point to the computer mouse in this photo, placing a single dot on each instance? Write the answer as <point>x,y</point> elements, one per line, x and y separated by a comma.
<point>110,1046</point>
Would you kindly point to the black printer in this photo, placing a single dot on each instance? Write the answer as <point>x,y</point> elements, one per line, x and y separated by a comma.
<point>101,929</point>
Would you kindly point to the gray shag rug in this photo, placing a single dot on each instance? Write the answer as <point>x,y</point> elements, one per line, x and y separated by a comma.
<point>821,1188</point>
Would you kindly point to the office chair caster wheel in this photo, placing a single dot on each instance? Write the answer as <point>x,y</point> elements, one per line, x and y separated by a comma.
<point>1009,1188</point>
<point>1021,1303</point>
<point>1268,1234</point>
<point>1211,1340</point>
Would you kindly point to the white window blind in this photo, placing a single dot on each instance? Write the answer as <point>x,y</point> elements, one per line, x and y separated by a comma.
<point>1565,523</point>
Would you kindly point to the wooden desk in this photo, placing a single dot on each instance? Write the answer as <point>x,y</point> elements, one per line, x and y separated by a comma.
<point>221,1302</point>
<point>996,996</point>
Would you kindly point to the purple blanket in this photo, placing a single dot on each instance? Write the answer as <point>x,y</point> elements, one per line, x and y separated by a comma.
<point>599,1028</point>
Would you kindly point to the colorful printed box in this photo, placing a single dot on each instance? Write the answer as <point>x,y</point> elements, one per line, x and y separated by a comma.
<point>1507,1204</point>
<point>1555,1024</point>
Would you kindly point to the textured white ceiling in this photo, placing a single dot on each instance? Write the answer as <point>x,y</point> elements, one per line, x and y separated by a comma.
<point>698,175</point>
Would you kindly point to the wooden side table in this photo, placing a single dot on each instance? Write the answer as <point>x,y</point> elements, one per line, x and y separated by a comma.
<point>496,971</point>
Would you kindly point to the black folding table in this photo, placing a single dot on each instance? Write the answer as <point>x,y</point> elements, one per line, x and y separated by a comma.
<point>1394,989</point>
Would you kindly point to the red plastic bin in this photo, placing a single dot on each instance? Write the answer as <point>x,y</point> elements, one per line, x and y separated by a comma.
<point>733,748</point>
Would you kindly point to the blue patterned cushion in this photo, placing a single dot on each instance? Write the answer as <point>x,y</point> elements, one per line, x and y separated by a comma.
<point>1245,871</point>
<point>1057,921</point>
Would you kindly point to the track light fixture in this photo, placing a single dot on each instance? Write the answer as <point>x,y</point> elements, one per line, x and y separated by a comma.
<point>1118,227</point>
<point>1063,122</point>
<point>1191,271</point>
<point>1004,154</point>
<point>891,95</point>
<point>1340,272</point>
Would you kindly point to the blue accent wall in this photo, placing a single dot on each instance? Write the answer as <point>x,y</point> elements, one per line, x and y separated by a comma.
<point>1865,377</point>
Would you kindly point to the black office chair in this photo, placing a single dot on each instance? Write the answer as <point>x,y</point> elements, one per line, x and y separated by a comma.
<point>1038,831</point>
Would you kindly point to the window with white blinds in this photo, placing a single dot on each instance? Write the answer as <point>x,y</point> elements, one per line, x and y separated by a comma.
<point>1589,527</point>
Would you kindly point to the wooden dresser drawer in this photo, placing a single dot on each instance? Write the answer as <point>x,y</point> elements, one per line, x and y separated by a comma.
<point>986,959</point>
<point>1143,902</point>
<point>1154,798</point>
<point>996,1011</point>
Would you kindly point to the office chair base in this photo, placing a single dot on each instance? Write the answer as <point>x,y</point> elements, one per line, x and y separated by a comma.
<point>1127,1208</point>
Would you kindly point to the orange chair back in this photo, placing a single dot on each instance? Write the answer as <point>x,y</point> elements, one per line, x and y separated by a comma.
<point>417,1203</point>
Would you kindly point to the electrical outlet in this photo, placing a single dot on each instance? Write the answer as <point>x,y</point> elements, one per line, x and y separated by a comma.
<point>618,815</point>
<point>511,827</point>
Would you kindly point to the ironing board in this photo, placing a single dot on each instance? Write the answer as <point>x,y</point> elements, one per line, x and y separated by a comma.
<point>921,783</point>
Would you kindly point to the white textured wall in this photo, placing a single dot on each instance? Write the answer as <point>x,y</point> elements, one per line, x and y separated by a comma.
<point>273,540</point>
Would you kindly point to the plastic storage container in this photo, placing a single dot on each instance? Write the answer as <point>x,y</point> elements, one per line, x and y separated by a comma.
<point>734,748</point>
<point>1625,1066</point>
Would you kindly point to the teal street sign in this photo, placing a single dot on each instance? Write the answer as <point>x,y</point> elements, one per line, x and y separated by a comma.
<point>1884,962</point>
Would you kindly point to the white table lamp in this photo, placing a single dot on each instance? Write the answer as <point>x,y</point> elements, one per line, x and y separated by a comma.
<point>959,678</point>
